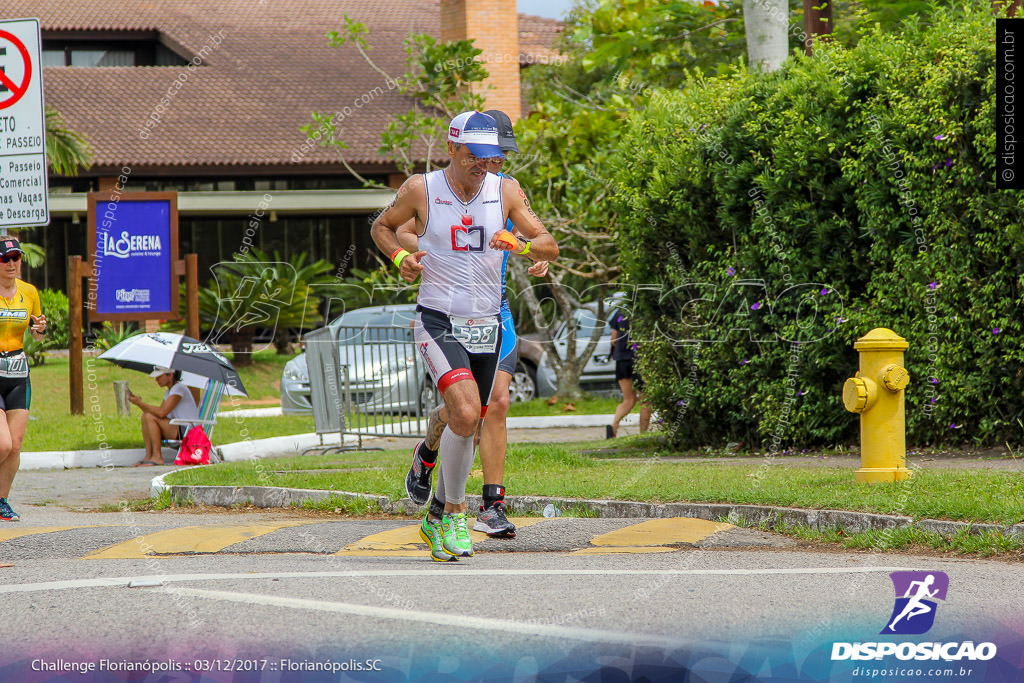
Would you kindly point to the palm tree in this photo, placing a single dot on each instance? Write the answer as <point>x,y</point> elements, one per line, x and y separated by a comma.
<point>66,151</point>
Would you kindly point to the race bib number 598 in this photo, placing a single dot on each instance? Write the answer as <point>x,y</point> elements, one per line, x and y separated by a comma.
<point>477,335</point>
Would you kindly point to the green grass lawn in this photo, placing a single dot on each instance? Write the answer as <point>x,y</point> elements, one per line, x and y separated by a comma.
<point>561,470</point>
<point>54,428</point>
<point>586,406</point>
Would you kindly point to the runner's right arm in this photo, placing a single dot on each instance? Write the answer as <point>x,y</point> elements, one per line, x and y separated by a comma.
<point>408,205</point>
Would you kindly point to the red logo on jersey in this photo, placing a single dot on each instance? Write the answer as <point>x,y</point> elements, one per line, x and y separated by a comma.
<point>467,238</point>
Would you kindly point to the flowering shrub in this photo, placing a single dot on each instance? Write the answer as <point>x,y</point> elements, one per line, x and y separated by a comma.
<point>778,217</point>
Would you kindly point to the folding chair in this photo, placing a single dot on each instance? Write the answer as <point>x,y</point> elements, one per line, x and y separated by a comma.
<point>208,407</point>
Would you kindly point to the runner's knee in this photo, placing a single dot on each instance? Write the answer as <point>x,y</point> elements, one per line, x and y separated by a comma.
<point>464,417</point>
<point>499,404</point>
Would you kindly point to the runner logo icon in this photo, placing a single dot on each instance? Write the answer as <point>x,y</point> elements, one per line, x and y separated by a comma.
<point>916,595</point>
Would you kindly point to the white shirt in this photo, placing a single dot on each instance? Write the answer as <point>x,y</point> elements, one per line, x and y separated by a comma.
<point>461,273</point>
<point>186,408</point>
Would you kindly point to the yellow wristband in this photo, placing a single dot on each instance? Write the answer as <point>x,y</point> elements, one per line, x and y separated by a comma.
<point>398,256</point>
<point>526,249</point>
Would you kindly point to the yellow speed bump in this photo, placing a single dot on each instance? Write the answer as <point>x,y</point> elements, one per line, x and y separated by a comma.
<point>8,534</point>
<point>187,540</point>
<point>406,542</point>
<point>654,535</point>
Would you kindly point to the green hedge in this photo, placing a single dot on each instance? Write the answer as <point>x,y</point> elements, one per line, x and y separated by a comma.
<point>868,172</point>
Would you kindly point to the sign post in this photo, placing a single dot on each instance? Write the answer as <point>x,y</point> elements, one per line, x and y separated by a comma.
<point>133,250</point>
<point>23,186</point>
<point>132,268</point>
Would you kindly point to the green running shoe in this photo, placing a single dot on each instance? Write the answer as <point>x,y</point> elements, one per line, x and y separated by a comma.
<point>455,535</point>
<point>431,534</point>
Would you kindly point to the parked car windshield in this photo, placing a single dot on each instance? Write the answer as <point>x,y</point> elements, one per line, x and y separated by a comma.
<point>585,320</point>
<point>374,327</point>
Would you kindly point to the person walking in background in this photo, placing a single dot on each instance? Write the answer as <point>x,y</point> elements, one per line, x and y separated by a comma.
<point>623,352</point>
<point>19,310</point>
<point>156,420</point>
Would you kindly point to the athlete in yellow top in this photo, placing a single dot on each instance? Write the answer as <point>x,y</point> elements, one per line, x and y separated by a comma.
<point>19,310</point>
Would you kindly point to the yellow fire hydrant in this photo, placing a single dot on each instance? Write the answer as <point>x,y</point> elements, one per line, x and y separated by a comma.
<point>877,394</point>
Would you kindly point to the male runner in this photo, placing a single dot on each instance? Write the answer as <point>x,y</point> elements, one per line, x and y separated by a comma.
<point>459,213</point>
<point>493,437</point>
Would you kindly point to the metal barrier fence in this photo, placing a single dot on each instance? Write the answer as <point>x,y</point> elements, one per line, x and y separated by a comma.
<point>368,381</point>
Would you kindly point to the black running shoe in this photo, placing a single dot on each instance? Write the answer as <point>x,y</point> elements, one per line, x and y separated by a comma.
<point>417,480</point>
<point>6,513</point>
<point>493,522</point>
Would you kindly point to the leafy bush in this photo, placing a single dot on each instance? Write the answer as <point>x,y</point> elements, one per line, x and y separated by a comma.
<point>55,307</point>
<point>111,334</point>
<point>868,172</point>
<point>35,350</point>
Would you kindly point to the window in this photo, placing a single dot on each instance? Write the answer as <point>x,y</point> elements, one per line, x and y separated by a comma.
<point>130,50</point>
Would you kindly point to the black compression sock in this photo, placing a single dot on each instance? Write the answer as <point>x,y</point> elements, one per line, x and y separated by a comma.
<point>436,507</point>
<point>428,456</point>
<point>493,493</point>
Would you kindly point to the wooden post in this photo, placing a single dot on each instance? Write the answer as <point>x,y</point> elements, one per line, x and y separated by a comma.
<point>817,22</point>
<point>77,389</point>
<point>192,295</point>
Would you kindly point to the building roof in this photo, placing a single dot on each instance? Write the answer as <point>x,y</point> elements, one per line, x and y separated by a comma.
<point>265,65</point>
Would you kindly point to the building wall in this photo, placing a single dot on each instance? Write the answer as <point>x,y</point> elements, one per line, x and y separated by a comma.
<point>493,25</point>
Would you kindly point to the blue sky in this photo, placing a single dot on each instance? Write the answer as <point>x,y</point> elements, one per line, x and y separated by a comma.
<point>544,8</point>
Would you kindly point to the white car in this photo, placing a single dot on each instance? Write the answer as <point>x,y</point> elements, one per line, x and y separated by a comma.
<point>599,373</point>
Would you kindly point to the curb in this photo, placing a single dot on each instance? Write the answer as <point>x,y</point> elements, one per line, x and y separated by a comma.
<point>739,515</point>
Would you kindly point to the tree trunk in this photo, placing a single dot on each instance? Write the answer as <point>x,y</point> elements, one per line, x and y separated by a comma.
<point>767,24</point>
<point>283,342</point>
<point>569,368</point>
<point>241,345</point>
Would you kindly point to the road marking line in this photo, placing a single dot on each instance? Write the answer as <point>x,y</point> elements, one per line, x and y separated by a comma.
<point>9,534</point>
<point>450,620</point>
<point>455,571</point>
<point>187,540</point>
<point>405,541</point>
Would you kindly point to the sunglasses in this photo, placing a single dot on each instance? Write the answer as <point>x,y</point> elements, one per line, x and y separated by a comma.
<point>10,257</point>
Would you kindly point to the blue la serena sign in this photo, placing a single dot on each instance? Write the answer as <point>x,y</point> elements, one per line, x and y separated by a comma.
<point>134,250</point>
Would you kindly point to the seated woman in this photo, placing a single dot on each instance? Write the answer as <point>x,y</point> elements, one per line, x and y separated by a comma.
<point>156,420</point>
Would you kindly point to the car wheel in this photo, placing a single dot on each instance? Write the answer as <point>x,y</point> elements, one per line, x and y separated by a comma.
<point>428,397</point>
<point>523,386</point>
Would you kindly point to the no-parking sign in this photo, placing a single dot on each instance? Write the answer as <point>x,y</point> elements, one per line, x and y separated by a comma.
<point>23,188</point>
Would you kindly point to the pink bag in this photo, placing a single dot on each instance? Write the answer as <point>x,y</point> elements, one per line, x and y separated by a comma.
<point>195,448</point>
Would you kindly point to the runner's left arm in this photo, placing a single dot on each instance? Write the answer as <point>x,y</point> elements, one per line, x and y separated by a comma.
<point>541,245</point>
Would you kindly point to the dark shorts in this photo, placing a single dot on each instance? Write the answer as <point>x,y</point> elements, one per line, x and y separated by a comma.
<point>445,358</point>
<point>624,369</point>
<point>15,394</point>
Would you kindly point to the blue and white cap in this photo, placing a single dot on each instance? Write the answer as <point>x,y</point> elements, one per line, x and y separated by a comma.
<point>478,131</point>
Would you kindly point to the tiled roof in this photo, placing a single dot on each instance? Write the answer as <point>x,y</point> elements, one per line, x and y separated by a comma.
<point>537,39</point>
<point>245,103</point>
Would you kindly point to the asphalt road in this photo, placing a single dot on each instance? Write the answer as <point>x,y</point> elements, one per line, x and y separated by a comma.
<point>298,590</point>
